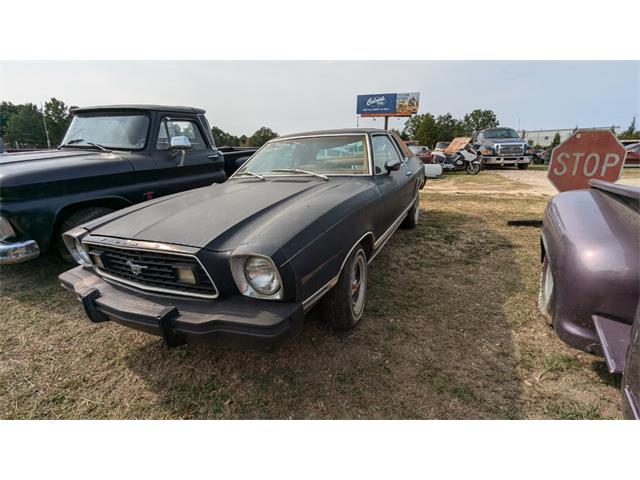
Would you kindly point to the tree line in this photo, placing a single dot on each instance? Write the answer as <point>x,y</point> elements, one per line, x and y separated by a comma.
<point>23,126</point>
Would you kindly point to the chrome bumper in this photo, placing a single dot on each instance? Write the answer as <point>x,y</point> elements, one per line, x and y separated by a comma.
<point>18,252</point>
<point>506,160</point>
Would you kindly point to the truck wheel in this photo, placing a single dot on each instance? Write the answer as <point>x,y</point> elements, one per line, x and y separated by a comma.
<point>523,166</point>
<point>413,216</point>
<point>78,218</point>
<point>344,304</point>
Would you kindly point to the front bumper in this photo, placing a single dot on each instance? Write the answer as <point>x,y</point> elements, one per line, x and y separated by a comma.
<point>238,322</point>
<point>18,252</point>
<point>512,160</point>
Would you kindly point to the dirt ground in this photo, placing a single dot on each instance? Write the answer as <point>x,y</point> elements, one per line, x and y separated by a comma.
<point>451,331</point>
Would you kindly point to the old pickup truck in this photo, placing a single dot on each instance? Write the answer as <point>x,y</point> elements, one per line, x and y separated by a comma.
<point>502,146</point>
<point>111,157</point>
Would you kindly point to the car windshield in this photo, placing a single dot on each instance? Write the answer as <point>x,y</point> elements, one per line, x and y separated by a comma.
<point>501,133</point>
<point>418,149</point>
<point>121,131</point>
<point>330,155</point>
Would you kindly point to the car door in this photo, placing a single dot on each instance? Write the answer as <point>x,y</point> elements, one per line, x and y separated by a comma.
<point>411,166</point>
<point>202,165</point>
<point>390,185</point>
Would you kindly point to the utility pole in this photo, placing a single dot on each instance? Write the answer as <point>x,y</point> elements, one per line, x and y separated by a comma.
<point>386,123</point>
<point>46,130</point>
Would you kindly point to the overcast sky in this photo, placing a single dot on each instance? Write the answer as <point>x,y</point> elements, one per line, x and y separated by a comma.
<point>295,96</point>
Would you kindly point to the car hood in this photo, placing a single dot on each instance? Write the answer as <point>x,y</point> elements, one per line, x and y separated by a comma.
<point>223,216</point>
<point>505,141</point>
<point>29,168</point>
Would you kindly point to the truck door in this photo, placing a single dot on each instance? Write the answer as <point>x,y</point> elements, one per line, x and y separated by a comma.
<point>202,165</point>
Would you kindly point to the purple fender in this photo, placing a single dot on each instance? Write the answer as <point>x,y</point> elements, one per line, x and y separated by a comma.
<point>591,243</point>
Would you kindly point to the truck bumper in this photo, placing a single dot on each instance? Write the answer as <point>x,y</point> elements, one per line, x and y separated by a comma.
<point>18,252</point>
<point>237,322</point>
<point>505,160</point>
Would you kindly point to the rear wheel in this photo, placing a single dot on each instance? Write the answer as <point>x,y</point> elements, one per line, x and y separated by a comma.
<point>413,216</point>
<point>473,168</point>
<point>523,166</point>
<point>545,295</point>
<point>344,304</point>
<point>77,218</point>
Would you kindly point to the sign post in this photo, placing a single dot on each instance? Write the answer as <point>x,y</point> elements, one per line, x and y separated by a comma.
<point>584,156</point>
<point>388,105</point>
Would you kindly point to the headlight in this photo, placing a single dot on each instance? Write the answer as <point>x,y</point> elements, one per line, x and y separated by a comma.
<point>256,276</point>
<point>261,275</point>
<point>6,230</point>
<point>82,253</point>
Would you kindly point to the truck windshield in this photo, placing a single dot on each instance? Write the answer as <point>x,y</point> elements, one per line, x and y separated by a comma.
<point>501,133</point>
<point>331,155</point>
<point>121,131</point>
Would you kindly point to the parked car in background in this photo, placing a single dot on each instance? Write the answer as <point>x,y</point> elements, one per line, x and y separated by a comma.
<point>111,157</point>
<point>432,168</point>
<point>441,146</point>
<point>589,289</point>
<point>501,146</point>
<point>633,155</point>
<point>240,263</point>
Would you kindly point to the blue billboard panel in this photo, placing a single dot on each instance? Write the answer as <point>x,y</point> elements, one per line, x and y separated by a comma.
<point>377,104</point>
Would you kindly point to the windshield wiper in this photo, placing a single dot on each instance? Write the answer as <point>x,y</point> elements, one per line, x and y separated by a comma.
<point>71,142</point>
<point>304,172</point>
<point>247,172</point>
<point>97,145</point>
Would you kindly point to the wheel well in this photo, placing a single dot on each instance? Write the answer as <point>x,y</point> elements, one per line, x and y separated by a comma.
<point>367,244</point>
<point>68,210</point>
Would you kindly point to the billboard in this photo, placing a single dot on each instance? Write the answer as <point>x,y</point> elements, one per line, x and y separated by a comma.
<point>388,104</point>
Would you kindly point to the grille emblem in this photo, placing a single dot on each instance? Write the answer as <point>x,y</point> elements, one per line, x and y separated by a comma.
<point>135,269</point>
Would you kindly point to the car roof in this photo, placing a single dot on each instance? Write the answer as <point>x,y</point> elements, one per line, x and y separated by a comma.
<point>141,107</point>
<point>337,131</point>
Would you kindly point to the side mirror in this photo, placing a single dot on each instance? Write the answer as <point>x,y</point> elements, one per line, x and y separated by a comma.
<point>181,142</point>
<point>392,165</point>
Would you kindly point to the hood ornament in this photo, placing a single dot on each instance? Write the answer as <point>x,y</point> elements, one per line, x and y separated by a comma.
<point>135,268</point>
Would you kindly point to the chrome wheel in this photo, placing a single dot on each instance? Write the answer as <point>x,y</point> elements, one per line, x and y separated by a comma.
<point>358,282</point>
<point>546,292</point>
<point>416,212</point>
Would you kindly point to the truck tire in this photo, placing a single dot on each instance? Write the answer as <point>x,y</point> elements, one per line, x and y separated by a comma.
<point>77,218</point>
<point>343,306</point>
<point>413,216</point>
<point>523,166</point>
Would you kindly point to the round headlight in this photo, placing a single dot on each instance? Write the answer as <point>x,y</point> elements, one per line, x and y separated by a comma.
<point>82,253</point>
<point>262,275</point>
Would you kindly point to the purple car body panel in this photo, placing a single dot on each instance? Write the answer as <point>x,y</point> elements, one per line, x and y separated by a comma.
<point>590,285</point>
<point>631,378</point>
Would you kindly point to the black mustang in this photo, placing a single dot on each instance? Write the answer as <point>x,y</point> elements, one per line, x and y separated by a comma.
<point>239,263</point>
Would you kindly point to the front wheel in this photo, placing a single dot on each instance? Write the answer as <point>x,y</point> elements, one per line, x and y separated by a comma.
<point>523,166</point>
<point>473,168</point>
<point>344,304</point>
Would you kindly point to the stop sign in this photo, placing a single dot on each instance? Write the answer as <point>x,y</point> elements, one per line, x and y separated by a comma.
<point>585,155</point>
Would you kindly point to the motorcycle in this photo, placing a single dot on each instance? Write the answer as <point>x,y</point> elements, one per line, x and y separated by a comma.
<point>465,159</point>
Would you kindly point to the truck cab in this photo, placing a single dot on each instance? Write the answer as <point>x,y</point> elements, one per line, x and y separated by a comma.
<point>111,157</point>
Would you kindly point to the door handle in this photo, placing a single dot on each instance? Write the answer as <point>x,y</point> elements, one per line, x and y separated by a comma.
<point>408,173</point>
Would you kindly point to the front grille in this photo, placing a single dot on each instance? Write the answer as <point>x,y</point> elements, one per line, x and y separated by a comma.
<point>511,150</point>
<point>156,270</point>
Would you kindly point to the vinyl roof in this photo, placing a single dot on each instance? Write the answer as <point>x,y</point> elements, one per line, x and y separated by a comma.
<point>161,108</point>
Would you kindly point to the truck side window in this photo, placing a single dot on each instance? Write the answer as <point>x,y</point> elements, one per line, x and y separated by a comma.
<point>173,128</point>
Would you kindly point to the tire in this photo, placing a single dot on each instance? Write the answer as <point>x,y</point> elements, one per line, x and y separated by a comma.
<point>77,218</point>
<point>546,292</point>
<point>523,166</point>
<point>342,310</point>
<point>413,216</point>
<point>473,169</point>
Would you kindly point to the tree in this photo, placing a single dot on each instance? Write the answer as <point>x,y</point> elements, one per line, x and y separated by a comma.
<point>479,120</point>
<point>58,119</point>
<point>630,133</point>
<point>402,134</point>
<point>224,139</point>
<point>556,140</point>
<point>25,126</point>
<point>427,130</point>
<point>261,136</point>
<point>6,110</point>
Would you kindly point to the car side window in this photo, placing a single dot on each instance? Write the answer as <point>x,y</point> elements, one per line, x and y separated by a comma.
<point>383,151</point>
<point>173,128</point>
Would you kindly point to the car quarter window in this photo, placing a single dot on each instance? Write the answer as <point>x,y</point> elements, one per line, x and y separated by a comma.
<point>173,128</point>
<point>383,151</point>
